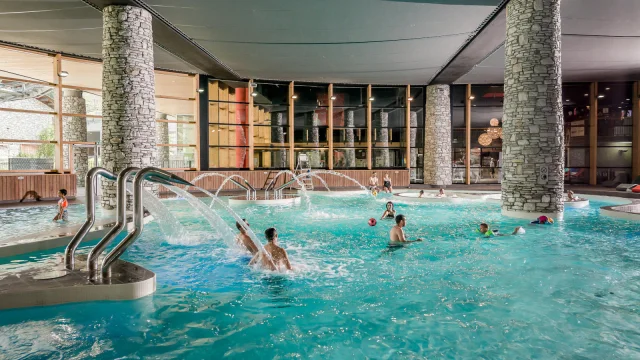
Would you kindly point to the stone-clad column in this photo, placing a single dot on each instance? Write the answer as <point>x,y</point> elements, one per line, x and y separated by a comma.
<point>162,134</point>
<point>281,154</point>
<point>74,128</point>
<point>533,144</point>
<point>382,121</point>
<point>437,136</point>
<point>413,123</point>
<point>128,103</point>
<point>350,153</point>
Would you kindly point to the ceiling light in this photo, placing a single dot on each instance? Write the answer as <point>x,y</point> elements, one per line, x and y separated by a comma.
<point>213,131</point>
<point>567,100</point>
<point>628,99</point>
<point>333,97</point>
<point>471,97</point>
<point>410,99</point>
<point>63,74</point>
<point>371,98</point>
<point>254,94</point>
<point>607,88</point>
<point>600,96</point>
<point>294,97</point>
<point>200,90</point>
<point>586,94</point>
<point>254,85</point>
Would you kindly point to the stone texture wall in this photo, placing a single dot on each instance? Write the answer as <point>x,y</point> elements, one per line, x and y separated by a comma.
<point>381,121</point>
<point>437,136</point>
<point>413,123</point>
<point>314,155</point>
<point>278,119</point>
<point>350,153</point>
<point>74,128</point>
<point>162,137</point>
<point>533,144</point>
<point>128,102</point>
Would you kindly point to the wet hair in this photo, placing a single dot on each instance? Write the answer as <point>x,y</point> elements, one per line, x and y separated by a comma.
<point>63,192</point>
<point>421,191</point>
<point>484,225</point>
<point>389,202</point>
<point>239,226</point>
<point>270,234</point>
<point>400,218</point>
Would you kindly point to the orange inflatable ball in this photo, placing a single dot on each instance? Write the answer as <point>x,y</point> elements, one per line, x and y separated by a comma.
<point>372,222</point>
<point>636,189</point>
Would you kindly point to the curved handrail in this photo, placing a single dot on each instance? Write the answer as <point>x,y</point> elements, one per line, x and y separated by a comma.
<point>286,184</point>
<point>151,174</point>
<point>90,178</point>
<point>121,213</point>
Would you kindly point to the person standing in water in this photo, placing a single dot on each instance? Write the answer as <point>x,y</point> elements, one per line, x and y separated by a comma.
<point>390,212</point>
<point>63,204</point>
<point>244,240</point>
<point>397,236</point>
<point>276,256</point>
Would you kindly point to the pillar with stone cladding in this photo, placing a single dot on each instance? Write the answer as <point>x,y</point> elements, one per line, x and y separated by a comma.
<point>74,128</point>
<point>382,122</point>
<point>279,120</point>
<point>128,95</point>
<point>437,136</point>
<point>413,152</point>
<point>533,131</point>
<point>350,152</point>
<point>162,133</point>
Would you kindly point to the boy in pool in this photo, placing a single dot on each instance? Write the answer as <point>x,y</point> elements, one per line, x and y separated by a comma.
<point>244,240</point>
<point>397,236</point>
<point>63,204</point>
<point>484,230</point>
<point>278,254</point>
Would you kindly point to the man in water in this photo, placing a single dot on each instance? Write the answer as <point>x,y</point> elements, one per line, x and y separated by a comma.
<point>484,230</point>
<point>396,236</point>
<point>244,240</point>
<point>276,256</point>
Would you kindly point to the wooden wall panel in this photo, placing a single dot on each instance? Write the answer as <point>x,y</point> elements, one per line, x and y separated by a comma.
<point>399,178</point>
<point>13,187</point>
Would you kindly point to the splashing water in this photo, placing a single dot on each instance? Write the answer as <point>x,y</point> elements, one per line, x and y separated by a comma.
<point>252,235</point>
<point>172,229</point>
<point>226,180</point>
<point>296,178</point>
<point>218,225</point>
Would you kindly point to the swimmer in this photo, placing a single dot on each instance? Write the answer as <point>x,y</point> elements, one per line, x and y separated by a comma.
<point>441,194</point>
<point>244,240</point>
<point>397,236</point>
<point>386,183</point>
<point>542,220</point>
<point>421,194</point>
<point>278,254</point>
<point>389,213</point>
<point>572,197</point>
<point>484,230</point>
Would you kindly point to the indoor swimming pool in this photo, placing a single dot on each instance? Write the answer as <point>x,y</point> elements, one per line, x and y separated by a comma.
<point>568,290</point>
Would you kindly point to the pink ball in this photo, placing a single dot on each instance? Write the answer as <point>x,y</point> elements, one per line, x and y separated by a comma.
<point>372,222</point>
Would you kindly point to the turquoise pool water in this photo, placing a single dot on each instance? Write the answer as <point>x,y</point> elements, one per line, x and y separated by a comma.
<point>571,290</point>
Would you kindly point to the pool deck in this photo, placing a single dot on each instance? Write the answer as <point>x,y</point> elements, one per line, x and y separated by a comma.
<point>49,283</point>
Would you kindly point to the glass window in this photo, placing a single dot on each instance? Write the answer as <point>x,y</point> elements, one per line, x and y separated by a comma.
<point>486,133</point>
<point>271,158</point>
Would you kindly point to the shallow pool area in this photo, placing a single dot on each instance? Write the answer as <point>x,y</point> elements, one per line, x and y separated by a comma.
<point>570,290</point>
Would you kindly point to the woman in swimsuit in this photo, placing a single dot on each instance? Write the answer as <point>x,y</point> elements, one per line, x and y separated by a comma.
<point>390,212</point>
<point>386,183</point>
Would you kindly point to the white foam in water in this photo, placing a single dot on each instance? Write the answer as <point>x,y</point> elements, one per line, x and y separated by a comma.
<point>171,228</point>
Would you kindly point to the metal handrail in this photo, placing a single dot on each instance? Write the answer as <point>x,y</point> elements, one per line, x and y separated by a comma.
<point>151,174</point>
<point>287,184</point>
<point>90,181</point>
<point>273,182</point>
<point>121,213</point>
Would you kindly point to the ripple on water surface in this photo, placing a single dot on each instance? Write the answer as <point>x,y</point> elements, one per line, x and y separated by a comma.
<point>570,290</point>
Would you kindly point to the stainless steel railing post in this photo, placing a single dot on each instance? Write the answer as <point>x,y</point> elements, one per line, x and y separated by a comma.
<point>121,210</point>
<point>91,185</point>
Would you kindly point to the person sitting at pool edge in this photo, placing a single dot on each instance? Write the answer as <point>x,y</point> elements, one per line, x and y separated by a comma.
<point>277,254</point>
<point>484,230</point>
<point>386,183</point>
<point>373,182</point>
<point>244,240</point>
<point>572,197</point>
<point>397,236</point>
<point>542,220</point>
<point>390,212</point>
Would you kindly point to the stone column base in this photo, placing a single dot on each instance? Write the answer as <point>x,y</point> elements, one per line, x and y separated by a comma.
<point>556,216</point>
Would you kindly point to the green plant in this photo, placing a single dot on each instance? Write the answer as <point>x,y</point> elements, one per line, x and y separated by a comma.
<point>46,151</point>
